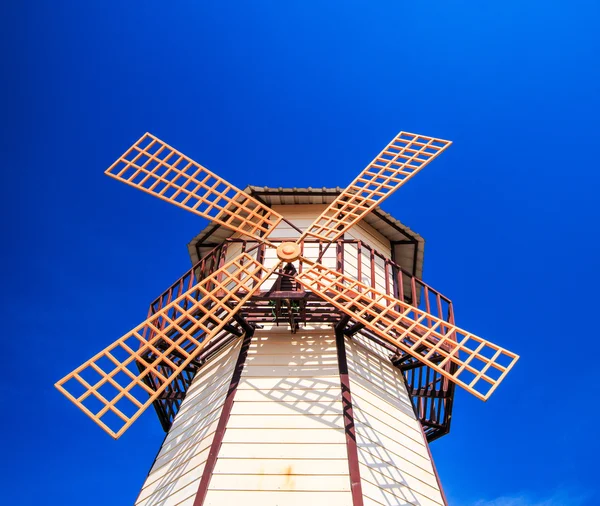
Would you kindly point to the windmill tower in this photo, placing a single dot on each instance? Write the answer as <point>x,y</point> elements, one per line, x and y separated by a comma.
<point>301,360</point>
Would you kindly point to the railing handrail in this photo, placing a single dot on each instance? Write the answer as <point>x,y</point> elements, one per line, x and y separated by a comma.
<point>199,264</point>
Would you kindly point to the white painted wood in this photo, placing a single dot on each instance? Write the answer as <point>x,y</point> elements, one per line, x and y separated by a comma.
<point>173,495</point>
<point>384,397</point>
<point>295,421</point>
<point>387,476</point>
<point>377,377</point>
<point>283,466</point>
<point>366,233</point>
<point>395,467</point>
<point>316,383</point>
<point>381,441</point>
<point>178,467</point>
<point>193,441</point>
<point>392,493</point>
<point>367,455</point>
<point>282,451</point>
<point>309,327</point>
<point>293,370</point>
<point>301,216</point>
<point>392,417</point>
<point>322,435</point>
<point>328,359</point>
<point>292,347</point>
<point>202,403</point>
<point>184,474</point>
<point>287,410</point>
<point>280,482</point>
<point>285,443</point>
<point>276,498</point>
<point>328,392</point>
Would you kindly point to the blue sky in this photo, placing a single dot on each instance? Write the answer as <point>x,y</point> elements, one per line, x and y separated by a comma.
<point>305,94</point>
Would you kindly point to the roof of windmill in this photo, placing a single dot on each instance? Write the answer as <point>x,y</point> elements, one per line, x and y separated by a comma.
<point>381,221</point>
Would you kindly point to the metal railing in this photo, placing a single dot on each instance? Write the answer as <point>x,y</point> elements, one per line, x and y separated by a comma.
<point>398,281</point>
<point>431,393</point>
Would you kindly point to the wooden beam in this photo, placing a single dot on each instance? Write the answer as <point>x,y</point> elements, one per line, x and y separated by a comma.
<point>349,428</point>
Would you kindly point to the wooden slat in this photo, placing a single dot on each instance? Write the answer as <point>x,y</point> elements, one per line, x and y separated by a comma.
<point>299,421</point>
<point>274,384</point>
<point>282,451</point>
<point>170,474</point>
<point>290,394</point>
<point>276,498</point>
<point>111,390</point>
<point>273,407</point>
<point>392,493</point>
<point>477,362</point>
<point>179,496</point>
<point>395,465</point>
<point>287,467</point>
<point>156,168</point>
<point>280,482</point>
<point>399,161</point>
<point>289,371</point>
<point>324,435</point>
<point>196,427</point>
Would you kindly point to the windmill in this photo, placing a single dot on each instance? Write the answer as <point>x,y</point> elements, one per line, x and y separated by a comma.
<point>331,413</point>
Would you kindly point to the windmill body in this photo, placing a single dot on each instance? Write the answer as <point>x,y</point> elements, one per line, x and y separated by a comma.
<point>301,360</point>
<point>285,439</point>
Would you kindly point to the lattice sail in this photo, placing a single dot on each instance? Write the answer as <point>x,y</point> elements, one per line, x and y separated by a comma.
<point>400,160</point>
<point>115,386</point>
<point>473,363</point>
<point>156,168</point>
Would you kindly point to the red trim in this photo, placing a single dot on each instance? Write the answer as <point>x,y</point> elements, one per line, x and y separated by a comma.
<point>211,462</point>
<point>355,485</point>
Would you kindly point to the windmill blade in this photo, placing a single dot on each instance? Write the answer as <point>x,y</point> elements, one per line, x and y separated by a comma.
<point>473,363</point>
<point>156,168</point>
<point>116,385</point>
<point>399,161</point>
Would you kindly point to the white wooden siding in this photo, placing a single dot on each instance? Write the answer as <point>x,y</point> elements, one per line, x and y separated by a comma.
<point>301,215</point>
<point>277,498</point>
<point>395,467</point>
<point>285,442</point>
<point>366,233</point>
<point>175,475</point>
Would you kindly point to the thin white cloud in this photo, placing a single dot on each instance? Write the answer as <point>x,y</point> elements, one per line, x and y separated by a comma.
<point>559,498</point>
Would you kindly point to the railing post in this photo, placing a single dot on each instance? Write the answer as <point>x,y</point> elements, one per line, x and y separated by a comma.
<point>359,262</point>
<point>340,256</point>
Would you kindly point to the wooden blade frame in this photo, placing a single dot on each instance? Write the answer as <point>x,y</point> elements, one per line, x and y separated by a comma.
<point>478,365</point>
<point>160,170</point>
<point>401,159</point>
<point>111,387</point>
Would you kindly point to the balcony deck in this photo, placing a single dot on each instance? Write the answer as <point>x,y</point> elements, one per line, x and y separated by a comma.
<point>282,304</point>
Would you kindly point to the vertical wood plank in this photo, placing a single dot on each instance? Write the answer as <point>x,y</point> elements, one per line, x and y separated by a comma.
<point>220,432</point>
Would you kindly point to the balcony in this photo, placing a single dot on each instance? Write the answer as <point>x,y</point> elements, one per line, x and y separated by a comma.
<point>279,302</point>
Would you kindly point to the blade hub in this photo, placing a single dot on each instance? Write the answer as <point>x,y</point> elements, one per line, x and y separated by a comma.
<point>288,251</point>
